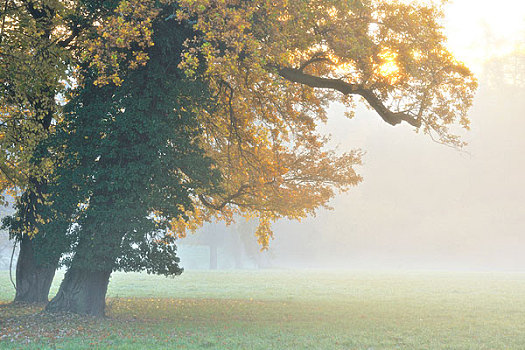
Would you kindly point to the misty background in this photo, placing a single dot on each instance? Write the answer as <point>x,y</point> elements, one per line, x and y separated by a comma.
<point>422,205</point>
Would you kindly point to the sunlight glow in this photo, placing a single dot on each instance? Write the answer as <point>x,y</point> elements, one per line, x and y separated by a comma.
<point>389,68</point>
<point>478,31</point>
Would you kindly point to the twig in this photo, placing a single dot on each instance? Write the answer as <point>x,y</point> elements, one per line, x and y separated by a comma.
<point>3,21</point>
<point>11,265</point>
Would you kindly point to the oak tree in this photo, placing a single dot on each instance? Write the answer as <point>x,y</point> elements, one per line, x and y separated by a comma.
<point>132,161</point>
<point>269,69</point>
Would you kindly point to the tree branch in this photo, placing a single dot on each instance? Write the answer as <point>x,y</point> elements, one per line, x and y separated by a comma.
<point>392,118</point>
<point>229,200</point>
<point>8,175</point>
<point>226,201</point>
<point>75,31</point>
<point>318,57</point>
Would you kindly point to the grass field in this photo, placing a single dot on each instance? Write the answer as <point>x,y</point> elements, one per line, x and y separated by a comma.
<point>285,310</point>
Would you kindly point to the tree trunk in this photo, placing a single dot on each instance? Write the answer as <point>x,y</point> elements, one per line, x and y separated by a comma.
<point>213,256</point>
<point>82,292</point>
<point>237,250</point>
<point>32,281</point>
<point>237,257</point>
<point>83,289</point>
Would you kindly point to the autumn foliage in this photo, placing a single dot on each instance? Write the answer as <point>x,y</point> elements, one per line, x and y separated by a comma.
<point>266,72</point>
<point>275,66</point>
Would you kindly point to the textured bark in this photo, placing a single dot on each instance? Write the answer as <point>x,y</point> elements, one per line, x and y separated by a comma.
<point>82,292</point>
<point>32,281</point>
<point>83,289</point>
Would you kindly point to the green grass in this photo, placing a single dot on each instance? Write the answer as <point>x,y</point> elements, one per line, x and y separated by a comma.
<point>285,310</point>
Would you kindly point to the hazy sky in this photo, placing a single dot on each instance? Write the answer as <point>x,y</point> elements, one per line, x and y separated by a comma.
<point>423,205</point>
<point>468,22</point>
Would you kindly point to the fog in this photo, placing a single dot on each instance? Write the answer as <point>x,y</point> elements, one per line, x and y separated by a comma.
<point>423,205</point>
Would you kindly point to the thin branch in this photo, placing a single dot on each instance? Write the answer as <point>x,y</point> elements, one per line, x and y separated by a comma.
<point>7,175</point>
<point>318,57</point>
<point>11,265</point>
<point>226,201</point>
<point>4,14</point>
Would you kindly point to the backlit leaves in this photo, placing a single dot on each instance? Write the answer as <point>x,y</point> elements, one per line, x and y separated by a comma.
<point>273,67</point>
<point>121,40</point>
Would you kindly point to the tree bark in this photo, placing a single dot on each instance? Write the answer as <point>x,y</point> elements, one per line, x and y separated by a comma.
<point>32,281</point>
<point>82,292</point>
<point>83,289</point>
<point>38,256</point>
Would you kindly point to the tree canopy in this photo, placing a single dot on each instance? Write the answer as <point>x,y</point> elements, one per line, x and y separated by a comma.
<point>277,65</point>
<point>177,112</point>
<point>273,67</point>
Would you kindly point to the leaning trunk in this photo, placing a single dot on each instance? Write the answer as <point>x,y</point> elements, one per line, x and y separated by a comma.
<point>83,289</point>
<point>32,280</point>
<point>83,292</point>
<point>39,255</point>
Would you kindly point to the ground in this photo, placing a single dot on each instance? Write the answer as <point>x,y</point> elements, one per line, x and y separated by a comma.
<point>284,310</point>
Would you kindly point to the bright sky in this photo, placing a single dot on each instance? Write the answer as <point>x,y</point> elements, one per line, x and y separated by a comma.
<point>469,22</point>
<point>422,205</point>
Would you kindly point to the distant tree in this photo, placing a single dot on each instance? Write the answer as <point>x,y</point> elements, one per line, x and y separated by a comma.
<point>507,71</point>
<point>244,232</point>
<point>235,242</point>
<point>213,236</point>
